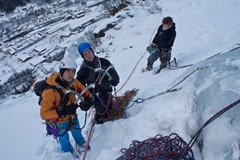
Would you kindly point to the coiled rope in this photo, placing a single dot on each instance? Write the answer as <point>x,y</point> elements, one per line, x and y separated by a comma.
<point>169,147</point>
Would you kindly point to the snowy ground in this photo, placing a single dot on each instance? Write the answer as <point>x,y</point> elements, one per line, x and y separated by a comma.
<point>204,28</point>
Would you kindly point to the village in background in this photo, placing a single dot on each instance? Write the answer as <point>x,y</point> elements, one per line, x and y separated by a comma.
<point>32,46</point>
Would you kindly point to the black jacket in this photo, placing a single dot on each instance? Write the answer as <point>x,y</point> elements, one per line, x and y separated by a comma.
<point>164,39</point>
<point>86,75</point>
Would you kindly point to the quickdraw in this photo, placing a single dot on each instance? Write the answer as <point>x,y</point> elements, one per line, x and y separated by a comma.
<point>141,100</point>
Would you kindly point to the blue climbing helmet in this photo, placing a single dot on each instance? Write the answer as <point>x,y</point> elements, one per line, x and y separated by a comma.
<point>152,49</point>
<point>82,47</point>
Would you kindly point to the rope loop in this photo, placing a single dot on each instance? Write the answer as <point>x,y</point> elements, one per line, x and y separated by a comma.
<point>139,100</point>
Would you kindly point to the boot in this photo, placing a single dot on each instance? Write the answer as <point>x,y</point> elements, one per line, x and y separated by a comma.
<point>149,68</point>
<point>82,148</point>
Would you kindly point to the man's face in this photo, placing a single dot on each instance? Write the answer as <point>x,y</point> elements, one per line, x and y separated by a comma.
<point>165,26</point>
<point>88,55</point>
<point>68,75</point>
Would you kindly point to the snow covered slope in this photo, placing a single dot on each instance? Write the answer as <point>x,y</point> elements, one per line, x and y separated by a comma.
<point>204,28</point>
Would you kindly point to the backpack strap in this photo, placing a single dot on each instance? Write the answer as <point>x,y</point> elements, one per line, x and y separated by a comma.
<point>59,90</point>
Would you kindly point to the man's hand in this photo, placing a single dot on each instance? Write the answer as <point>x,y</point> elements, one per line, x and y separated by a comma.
<point>61,111</point>
<point>71,109</point>
<point>87,104</point>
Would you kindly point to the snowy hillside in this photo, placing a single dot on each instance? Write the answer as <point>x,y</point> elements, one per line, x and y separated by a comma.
<point>207,31</point>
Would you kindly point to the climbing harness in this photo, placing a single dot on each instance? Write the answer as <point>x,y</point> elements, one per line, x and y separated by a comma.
<point>121,100</point>
<point>106,106</point>
<point>53,127</point>
<point>110,97</point>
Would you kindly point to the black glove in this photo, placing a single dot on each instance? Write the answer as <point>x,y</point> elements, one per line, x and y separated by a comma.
<point>115,78</point>
<point>71,109</point>
<point>86,105</point>
<point>61,111</point>
<point>105,85</point>
<point>114,81</point>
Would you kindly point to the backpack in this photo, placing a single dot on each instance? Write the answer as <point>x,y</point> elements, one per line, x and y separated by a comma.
<point>39,87</point>
<point>42,85</point>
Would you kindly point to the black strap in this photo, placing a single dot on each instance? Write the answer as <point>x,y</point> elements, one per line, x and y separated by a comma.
<point>59,90</point>
<point>165,49</point>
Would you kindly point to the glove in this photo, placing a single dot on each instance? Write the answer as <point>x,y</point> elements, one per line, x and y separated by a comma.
<point>104,86</point>
<point>86,105</point>
<point>71,109</point>
<point>115,78</point>
<point>114,81</point>
<point>61,111</point>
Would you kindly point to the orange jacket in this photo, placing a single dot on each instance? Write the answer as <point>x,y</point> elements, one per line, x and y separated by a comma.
<point>51,98</point>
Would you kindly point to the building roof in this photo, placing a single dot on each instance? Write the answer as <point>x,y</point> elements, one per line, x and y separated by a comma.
<point>37,60</point>
<point>24,57</point>
<point>40,48</point>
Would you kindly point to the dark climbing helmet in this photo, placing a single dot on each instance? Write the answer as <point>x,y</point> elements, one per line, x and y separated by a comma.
<point>82,47</point>
<point>152,49</point>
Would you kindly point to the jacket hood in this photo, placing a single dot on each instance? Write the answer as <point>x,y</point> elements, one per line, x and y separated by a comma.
<point>173,27</point>
<point>51,80</point>
<point>94,63</point>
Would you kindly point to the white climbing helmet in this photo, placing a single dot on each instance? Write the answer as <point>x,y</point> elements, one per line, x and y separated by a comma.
<point>68,63</point>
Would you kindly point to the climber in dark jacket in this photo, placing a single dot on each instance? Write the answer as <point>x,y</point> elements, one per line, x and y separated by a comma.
<point>164,40</point>
<point>93,70</point>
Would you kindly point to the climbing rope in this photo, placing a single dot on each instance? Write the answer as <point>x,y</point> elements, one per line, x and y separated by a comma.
<point>89,137</point>
<point>193,140</point>
<point>141,56</point>
<point>172,89</point>
<point>169,147</point>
